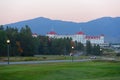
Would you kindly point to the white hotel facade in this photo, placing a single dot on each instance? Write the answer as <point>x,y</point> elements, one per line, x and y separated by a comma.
<point>79,37</point>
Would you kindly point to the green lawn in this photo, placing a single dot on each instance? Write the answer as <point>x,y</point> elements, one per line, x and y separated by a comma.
<point>62,71</point>
<point>51,57</point>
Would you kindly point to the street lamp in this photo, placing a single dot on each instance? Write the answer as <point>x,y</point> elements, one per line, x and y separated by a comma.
<point>100,51</point>
<point>8,42</point>
<point>72,53</point>
<point>65,52</point>
<point>72,47</point>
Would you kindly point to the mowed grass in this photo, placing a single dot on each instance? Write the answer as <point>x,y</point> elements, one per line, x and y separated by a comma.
<point>41,58</point>
<point>62,71</point>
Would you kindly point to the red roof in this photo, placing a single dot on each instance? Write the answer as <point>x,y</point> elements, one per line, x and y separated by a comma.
<point>92,37</point>
<point>80,33</point>
<point>52,32</point>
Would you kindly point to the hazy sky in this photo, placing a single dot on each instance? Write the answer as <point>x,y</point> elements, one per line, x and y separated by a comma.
<point>69,10</point>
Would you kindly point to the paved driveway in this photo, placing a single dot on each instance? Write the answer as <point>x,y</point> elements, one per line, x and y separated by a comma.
<point>38,62</point>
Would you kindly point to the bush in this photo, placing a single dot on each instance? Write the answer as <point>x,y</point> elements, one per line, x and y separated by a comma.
<point>44,57</point>
<point>118,54</point>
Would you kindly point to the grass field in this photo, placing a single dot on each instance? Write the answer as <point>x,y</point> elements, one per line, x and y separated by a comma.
<point>51,57</point>
<point>62,71</point>
<point>41,58</point>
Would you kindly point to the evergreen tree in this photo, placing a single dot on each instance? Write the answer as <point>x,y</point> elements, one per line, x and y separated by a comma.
<point>79,46</point>
<point>1,27</point>
<point>88,48</point>
<point>26,41</point>
<point>36,43</point>
<point>3,46</point>
<point>96,50</point>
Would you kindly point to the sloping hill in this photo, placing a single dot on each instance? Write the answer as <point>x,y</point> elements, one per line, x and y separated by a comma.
<point>108,26</point>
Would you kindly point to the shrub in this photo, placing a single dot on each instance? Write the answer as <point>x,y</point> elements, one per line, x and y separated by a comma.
<point>118,54</point>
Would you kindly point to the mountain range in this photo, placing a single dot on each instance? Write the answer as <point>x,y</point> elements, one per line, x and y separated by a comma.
<point>108,26</point>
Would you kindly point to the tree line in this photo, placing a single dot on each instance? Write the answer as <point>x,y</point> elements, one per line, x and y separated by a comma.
<point>22,43</point>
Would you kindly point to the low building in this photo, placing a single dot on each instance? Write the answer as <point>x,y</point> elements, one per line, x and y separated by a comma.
<point>79,37</point>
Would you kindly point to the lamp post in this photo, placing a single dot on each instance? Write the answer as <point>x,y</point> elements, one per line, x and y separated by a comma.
<point>8,42</point>
<point>72,53</point>
<point>65,52</point>
<point>100,51</point>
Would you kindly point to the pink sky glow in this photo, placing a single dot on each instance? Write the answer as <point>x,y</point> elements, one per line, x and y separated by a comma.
<point>67,10</point>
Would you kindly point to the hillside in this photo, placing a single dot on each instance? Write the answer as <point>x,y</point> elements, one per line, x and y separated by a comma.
<point>108,26</point>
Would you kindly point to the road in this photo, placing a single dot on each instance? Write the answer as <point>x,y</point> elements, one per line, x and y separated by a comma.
<point>39,62</point>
